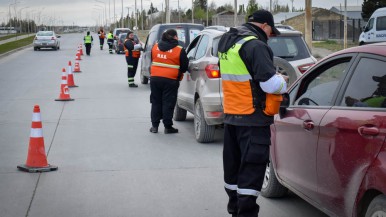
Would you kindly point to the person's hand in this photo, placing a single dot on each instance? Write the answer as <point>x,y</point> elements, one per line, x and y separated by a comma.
<point>350,101</point>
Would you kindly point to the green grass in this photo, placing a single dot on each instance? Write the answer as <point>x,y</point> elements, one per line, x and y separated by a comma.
<point>333,45</point>
<point>10,36</point>
<point>16,44</point>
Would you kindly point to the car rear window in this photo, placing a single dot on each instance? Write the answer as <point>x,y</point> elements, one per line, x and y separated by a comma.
<point>290,48</point>
<point>44,34</point>
<point>215,46</point>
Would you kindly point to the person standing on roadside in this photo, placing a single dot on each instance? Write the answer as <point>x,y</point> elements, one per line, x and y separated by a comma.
<point>169,62</point>
<point>252,94</point>
<point>110,41</point>
<point>101,34</point>
<point>132,53</point>
<point>87,40</point>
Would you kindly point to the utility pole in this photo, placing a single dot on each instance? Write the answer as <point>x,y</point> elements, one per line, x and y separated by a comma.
<point>345,25</point>
<point>141,16</point>
<point>308,24</point>
<point>192,11</point>
<point>235,13</point>
<point>167,9</point>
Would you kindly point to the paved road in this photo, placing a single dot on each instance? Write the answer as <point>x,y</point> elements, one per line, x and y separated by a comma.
<point>109,163</point>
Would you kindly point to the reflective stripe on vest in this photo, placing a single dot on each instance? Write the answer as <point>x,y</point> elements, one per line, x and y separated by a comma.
<point>165,63</point>
<point>87,39</point>
<point>238,98</point>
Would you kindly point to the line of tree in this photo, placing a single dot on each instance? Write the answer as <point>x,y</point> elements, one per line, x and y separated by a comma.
<point>369,6</point>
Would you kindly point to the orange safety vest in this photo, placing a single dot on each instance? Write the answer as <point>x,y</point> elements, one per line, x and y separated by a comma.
<point>166,63</point>
<point>134,53</point>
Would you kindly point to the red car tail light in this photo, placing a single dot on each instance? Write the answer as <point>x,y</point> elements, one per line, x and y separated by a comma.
<point>305,67</point>
<point>212,71</point>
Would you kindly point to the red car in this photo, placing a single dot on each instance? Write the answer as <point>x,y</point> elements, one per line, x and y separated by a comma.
<point>328,142</point>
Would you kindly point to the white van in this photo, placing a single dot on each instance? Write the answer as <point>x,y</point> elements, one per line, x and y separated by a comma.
<point>375,30</point>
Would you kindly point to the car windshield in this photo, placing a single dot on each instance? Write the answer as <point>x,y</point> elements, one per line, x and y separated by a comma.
<point>44,34</point>
<point>290,48</point>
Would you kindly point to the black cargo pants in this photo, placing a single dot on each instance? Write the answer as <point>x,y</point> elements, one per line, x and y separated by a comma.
<point>245,157</point>
<point>163,98</point>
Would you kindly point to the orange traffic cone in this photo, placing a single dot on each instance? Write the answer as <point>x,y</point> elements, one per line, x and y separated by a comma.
<point>77,67</point>
<point>36,159</point>
<point>70,76</point>
<point>77,56</point>
<point>81,49</point>
<point>64,91</point>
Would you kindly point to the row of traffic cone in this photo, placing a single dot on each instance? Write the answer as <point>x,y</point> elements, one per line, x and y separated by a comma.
<point>37,158</point>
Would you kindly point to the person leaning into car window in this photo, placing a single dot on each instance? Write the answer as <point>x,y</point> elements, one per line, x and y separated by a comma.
<point>376,100</point>
<point>87,40</point>
<point>252,94</point>
<point>132,54</point>
<point>169,62</point>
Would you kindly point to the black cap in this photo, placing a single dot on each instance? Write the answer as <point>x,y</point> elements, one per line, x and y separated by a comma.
<point>380,79</point>
<point>263,16</point>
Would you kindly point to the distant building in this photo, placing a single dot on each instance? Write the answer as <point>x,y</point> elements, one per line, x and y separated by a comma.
<point>353,12</point>
<point>226,18</point>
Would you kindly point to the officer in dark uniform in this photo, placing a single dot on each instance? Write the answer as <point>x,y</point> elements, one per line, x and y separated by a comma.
<point>132,53</point>
<point>102,35</point>
<point>252,94</point>
<point>169,62</point>
<point>110,41</point>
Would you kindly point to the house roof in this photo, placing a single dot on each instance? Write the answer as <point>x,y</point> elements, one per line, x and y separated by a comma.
<point>282,16</point>
<point>353,12</point>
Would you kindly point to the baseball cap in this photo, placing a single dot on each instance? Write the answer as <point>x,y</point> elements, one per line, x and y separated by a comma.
<point>263,16</point>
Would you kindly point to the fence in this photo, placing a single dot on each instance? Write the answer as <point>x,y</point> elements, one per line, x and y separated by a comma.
<point>334,29</point>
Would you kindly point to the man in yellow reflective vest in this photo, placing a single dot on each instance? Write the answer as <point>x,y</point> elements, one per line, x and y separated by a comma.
<point>110,41</point>
<point>87,40</point>
<point>252,94</point>
<point>169,62</point>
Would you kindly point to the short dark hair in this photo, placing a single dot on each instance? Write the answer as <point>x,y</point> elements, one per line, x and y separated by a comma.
<point>169,34</point>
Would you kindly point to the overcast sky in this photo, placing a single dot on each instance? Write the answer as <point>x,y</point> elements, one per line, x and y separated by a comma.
<point>87,12</point>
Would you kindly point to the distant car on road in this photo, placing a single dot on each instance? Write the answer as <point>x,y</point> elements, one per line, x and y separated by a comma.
<point>116,33</point>
<point>328,140</point>
<point>46,39</point>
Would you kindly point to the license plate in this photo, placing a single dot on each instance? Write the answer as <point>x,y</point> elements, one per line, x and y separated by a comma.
<point>44,44</point>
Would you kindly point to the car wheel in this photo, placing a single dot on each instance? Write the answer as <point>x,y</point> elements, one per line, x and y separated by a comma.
<point>179,113</point>
<point>144,79</point>
<point>204,132</point>
<point>377,207</point>
<point>35,48</point>
<point>285,68</point>
<point>55,48</point>
<point>271,186</point>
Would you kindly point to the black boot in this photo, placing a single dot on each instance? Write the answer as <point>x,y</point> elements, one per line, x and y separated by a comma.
<point>154,130</point>
<point>133,85</point>
<point>170,130</point>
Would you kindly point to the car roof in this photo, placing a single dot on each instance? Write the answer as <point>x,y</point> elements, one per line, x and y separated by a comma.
<point>288,32</point>
<point>213,32</point>
<point>376,48</point>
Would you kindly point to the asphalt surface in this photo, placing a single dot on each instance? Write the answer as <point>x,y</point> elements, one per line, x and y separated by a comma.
<point>109,163</point>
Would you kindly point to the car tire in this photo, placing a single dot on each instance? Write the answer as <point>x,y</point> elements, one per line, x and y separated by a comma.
<point>179,113</point>
<point>285,68</point>
<point>204,133</point>
<point>271,186</point>
<point>144,79</point>
<point>55,48</point>
<point>377,207</point>
<point>35,48</point>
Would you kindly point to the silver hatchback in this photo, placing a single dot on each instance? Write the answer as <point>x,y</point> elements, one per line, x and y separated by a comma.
<point>200,90</point>
<point>46,39</point>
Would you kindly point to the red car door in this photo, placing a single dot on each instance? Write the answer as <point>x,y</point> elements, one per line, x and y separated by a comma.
<point>351,135</point>
<point>296,133</point>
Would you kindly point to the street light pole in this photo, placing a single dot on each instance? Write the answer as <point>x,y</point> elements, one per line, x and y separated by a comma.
<point>141,16</point>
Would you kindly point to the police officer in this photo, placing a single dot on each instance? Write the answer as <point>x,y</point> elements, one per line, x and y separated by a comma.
<point>169,62</point>
<point>252,94</point>
<point>88,39</point>
<point>101,34</point>
<point>132,53</point>
<point>110,41</point>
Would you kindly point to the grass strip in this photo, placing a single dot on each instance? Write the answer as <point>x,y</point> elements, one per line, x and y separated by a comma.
<point>332,45</point>
<point>9,36</point>
<point>15,44</point>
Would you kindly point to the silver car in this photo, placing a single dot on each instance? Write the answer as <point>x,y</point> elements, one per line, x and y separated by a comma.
<point>46,39</point>
<point>200,90</point>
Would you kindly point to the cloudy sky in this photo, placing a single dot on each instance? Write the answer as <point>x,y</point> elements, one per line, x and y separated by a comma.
<point>89,12</point>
